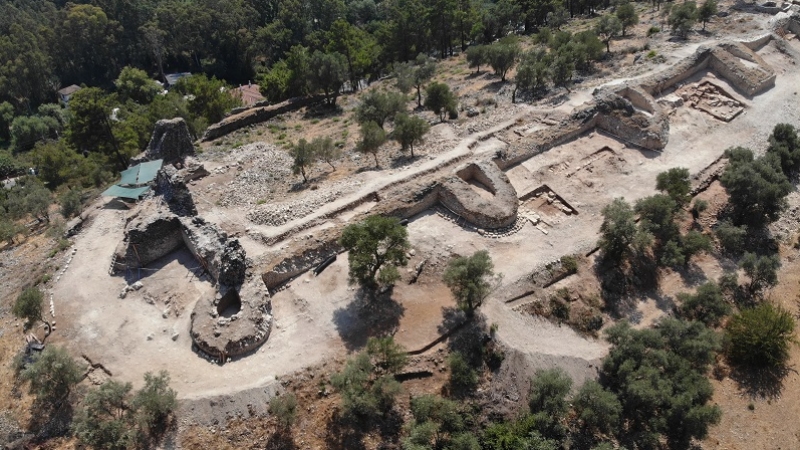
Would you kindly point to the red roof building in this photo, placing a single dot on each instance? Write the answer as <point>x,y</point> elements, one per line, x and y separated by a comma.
<point>248,93</point>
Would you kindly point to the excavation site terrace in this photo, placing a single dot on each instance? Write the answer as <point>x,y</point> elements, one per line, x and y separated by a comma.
<point>230,273</point>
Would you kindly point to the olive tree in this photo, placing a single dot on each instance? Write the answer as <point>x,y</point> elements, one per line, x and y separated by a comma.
<point>377,246</point>
<point>627,16</point>
<point>502,56</point>
<point>675,183</point>
<point>372,138</point>
<point>440,99</point>
<point>304,155</point>
<point>29,305</point>
<point>409,130</point>
<point>52,374</point>
<point>618,229</point>
<point>467,278</point>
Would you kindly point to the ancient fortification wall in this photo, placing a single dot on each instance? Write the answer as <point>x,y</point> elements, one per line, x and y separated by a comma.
<point>254,116</point>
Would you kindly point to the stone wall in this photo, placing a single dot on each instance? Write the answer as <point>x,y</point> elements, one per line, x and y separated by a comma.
<point>750,80</point>
<point>171,186</point>
<point>148,237</point>
<point>223,337</point>
<point>460,198</point>
<point>256,115</point>
<point>223,258</point>
<point>300,262</point>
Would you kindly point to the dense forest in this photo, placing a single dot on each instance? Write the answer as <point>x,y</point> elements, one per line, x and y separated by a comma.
<point>46,44</point>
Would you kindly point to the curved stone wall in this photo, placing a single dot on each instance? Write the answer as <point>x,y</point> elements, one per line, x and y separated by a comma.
<point>459,197</point>
<point>239,333</point>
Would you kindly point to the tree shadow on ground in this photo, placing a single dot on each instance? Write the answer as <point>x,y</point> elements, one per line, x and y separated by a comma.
<point>311,184</point>
<point>760,382</point>
<point>368,314</point>
<point>50,421</point>
<point>369,168</point>
<point>452,318</point>
<point>470,340</point>
<point>322,111</point>
<point>281,439</point>
<point>494,86</point>
<point>691,274</point>
<point>404,160</point>
<point>341,433</point>
<point>484,72</point>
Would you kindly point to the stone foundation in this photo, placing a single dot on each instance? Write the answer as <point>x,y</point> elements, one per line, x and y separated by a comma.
<point>459,197</point>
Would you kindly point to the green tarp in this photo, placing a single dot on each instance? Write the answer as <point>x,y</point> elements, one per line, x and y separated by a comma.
<point>131,193</point>
<point>141,174</point>
<point>148,171</point>
<point>132,179</point>
<point>129,176</point>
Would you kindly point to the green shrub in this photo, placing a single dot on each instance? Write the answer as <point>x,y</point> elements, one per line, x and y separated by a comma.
<point>569,263</point>
<point>760,336</point>
<point>653,30</point>
<point>731,237</point>
<point>463,378</point>
<point>70,203</point>
<point>707,305</point>
<point>284,408</point>
<point>29,305</point>
<point>549,390</point>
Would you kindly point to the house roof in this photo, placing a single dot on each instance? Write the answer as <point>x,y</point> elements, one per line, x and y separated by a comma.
<point>69,90</point>
<point>173,78</point>
<point>249,93</point>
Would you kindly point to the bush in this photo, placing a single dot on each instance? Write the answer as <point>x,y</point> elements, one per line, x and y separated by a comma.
<point>569,263</point>
<point>29,305</point>
<point>463,378</point>
<point>112,418</point>
<point>731,238</point>
<point>760,336</point>
<point>387,354</point>
<point>52,374</point>
<point>105,420</point>
<point>597,409</point>
<point>659,376</point>
<point>284,408</point>
<point>155,402</point>
<point>365,396</point>
<point>707,305</point>
<point>549,390</point>
<point>762,271</point>
<point>70,202</point>
<point>653,30</point>
<point>757,187</point>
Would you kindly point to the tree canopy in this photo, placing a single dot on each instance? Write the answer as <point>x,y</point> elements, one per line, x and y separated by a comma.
<point>468,279</point>
<point>377,246</point>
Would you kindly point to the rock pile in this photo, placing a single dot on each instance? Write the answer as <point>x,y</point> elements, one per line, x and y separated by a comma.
<point>281,213</point>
